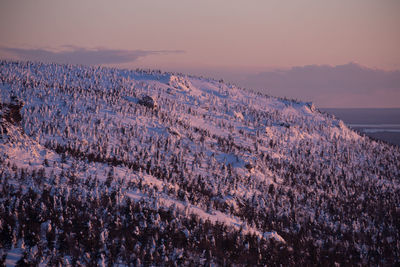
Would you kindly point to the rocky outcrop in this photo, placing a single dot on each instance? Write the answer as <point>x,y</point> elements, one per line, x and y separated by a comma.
<point>11,112</point>
<point>148,101</point>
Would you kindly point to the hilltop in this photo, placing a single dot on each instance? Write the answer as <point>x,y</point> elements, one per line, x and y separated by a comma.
<point>119,166</point>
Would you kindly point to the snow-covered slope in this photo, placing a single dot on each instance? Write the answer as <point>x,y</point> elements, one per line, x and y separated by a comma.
<point>268,180</point>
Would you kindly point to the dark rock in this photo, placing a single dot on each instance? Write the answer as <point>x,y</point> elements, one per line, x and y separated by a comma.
<point>148,101</point>
<point>11,112</point>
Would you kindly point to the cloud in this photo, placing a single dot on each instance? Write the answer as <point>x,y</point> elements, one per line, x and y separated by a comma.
<point>327,85</point>
<point>79,55</point>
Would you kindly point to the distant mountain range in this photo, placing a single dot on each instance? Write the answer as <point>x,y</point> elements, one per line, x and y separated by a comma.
<point>107,166</point>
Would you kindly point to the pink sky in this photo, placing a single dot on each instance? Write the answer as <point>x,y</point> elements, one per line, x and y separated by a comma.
<point>206,37</point>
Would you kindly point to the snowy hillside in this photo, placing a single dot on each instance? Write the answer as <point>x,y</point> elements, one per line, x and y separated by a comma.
<point>110,166</point>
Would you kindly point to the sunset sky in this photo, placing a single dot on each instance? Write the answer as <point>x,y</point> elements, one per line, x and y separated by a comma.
<point>234,40</point>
